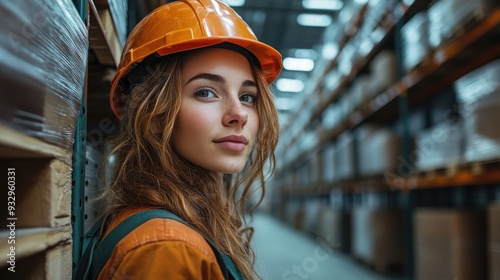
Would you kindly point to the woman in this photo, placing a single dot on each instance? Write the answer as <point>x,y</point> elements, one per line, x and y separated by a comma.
<point>192,92</point>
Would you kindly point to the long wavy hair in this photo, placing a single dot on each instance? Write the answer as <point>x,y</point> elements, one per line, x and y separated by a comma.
<point>148,172</point>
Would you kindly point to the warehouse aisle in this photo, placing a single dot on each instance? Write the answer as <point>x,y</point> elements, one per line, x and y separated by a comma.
<point>286,254</point>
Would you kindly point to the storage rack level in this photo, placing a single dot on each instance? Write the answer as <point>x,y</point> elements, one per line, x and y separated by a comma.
<point>40,233</point>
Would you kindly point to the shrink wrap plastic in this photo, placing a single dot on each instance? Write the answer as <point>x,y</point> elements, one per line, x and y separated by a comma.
<point>378,151</point>
<point>447,17</point>
<point>44,47</point>
<point>344,157</point>
<point>415,40</point>
<point>478,94</point>
<point>439,146</point>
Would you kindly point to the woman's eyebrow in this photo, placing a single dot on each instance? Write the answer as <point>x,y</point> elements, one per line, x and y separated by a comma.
<point>208,76</point>
<point>219,79</point>
<point>248,83</point>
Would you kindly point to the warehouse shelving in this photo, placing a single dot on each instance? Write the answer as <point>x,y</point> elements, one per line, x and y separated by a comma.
<point>31,241</point>
<point>15,144</point>
<point>420,84</point>
<point>42,210</point>
<point>470,47</point>
<point>355,22</point>
<point>103,39</point>
<point>36,134</point>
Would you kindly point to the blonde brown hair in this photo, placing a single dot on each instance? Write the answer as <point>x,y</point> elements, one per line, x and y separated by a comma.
<point>148,172</point>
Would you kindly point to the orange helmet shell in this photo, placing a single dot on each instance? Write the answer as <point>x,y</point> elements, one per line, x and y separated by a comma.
<point>185,25</point>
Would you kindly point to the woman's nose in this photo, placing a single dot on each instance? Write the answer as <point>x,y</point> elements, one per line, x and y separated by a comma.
<point>235,113</point>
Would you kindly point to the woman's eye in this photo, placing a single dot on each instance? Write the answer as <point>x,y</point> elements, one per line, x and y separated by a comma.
<point>205,93</point>
<point>248,98</point>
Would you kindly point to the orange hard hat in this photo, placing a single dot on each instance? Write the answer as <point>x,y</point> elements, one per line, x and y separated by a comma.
<point>186,25</point>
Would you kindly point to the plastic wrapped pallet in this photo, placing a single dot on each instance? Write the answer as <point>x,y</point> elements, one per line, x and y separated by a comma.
<point>331,116</point>
<point>478,94</point>
<point>330,226</point>
<point>378,14</point>
<point>494,241</point>
<point>347,59</point>
<point>328,161</point>
<point>439,146</point>
<point>344,157</point>
<point>378,151</point>
<point>415,41</point>
<point>383,69</point>
<point>449,244</point>
<point>311,212</point>
<point>361,90</point>
<point>44,51</point>
<point>315,168</point>
<point>377,237</point>
<point>449,17</point>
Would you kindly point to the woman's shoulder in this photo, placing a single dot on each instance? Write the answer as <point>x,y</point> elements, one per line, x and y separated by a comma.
<point>160,230</point>
<point>168,231</point>
<point>164,240</point>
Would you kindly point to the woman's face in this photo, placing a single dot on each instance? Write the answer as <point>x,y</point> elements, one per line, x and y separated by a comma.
<point>218,121</point>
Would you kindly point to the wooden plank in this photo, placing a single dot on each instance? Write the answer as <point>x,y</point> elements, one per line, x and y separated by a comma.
<point>42,192</point>
<point>15,144</point>
<point>31,241</point>
<point>103,39</point>
<point>58,263</point>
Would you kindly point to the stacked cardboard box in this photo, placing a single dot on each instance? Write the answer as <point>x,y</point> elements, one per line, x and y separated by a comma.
<point>379,151</point>
<point>450,244</point>
<point>378,238</point>
<point>415,40</point>
<point>330,227</point>
<point>478,94</point>
<point>448,17</point>
<point>494,241</point>
<point>439,146</point>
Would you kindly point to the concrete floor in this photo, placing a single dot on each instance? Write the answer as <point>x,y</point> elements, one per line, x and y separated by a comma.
<point>286,254</point>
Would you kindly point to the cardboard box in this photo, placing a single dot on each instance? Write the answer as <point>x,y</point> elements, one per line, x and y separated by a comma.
<point>378,151</point>
<point>449,244</point>
<point>494,241</point>
<point>330,226</point>
<point>378,237</point>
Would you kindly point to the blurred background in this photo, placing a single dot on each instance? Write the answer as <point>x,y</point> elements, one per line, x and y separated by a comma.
<point>388,164</point>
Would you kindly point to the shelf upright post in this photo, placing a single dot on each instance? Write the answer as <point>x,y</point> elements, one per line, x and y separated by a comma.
<point>405,163</point>
<point>78,165</point>
<point>78,184</point>
<point>81,7</point>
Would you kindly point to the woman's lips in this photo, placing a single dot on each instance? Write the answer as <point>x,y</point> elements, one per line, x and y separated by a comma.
<point>235,143</point>
<point>232,146</point>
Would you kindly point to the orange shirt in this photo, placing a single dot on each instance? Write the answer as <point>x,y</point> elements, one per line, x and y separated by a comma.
<point>161,249</point>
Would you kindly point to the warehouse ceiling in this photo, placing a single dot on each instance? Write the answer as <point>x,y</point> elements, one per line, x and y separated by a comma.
<point>275,22</point>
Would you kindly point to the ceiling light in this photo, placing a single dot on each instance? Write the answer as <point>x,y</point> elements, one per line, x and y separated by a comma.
<point>290,85</point>
<point>234,3</point>
<point>314,20</point>
<point>323,4</point>
<point>304,53</point>
<point>298,64</point>
<point>329,50</point>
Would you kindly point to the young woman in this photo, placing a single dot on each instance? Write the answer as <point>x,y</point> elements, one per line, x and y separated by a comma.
<point>192,93</point>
